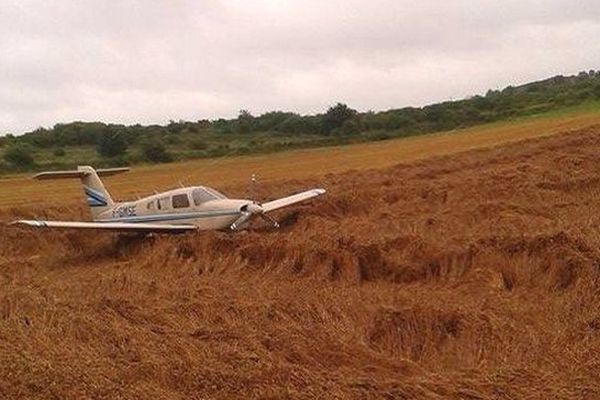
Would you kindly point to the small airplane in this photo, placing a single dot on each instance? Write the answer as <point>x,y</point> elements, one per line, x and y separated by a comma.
<point>175,211</point>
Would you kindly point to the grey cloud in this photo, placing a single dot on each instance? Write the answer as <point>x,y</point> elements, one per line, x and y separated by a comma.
<point>150,61</point>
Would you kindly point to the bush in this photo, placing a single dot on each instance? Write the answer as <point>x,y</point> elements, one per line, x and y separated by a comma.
<point>380,135</point>
<point>350,127</point>
<point>243,150</point>
<point>198,145</point>
<point>111,146</point>
<point>172,139</point>
<point>19,156</point>
<point>59,152</point>
<point>155,151</point>
<point>596,91</point>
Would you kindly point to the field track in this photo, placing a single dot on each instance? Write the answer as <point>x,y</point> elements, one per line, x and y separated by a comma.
<point>463,276</point>
<point>231,172</point>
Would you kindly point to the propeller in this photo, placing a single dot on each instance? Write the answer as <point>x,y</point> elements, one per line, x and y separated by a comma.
<point>254,208</point>
<point>249,210</point>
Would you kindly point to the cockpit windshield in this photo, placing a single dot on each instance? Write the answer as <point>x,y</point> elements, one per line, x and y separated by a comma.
<point>215,193</point>
<point>203,194</point>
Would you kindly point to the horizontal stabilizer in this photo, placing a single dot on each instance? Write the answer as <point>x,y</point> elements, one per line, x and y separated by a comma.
<point>295,198</point>
<point>78,174</point>
<point>107,226</point>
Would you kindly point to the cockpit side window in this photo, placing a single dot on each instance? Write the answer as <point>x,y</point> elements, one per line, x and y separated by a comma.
<point>162,203</point>
<point>151,205</point>
<point>180,201</point>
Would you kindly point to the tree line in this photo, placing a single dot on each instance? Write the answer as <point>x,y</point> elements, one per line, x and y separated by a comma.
<point>113,141</point>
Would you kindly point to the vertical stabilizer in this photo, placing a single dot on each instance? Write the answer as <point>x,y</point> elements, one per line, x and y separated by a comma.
<point>96,194</point>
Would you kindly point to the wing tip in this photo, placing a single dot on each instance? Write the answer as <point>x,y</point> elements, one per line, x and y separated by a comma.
<point>36,224</point>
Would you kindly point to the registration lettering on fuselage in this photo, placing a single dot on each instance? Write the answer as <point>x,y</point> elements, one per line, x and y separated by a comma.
<point>124,211</point>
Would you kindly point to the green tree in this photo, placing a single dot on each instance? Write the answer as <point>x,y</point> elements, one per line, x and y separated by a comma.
<point>350,127</point>
<point>336,116</point>
<point>155,151</point>
<point>223,125</point>
<point>596,90</point>
<point>245,122</point>
<point>19,156</point>
<point>111,146</point>
<point>292,124</point>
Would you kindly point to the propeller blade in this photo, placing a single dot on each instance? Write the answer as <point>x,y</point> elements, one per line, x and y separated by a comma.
<point>240,221</point>
<point>270,220</point>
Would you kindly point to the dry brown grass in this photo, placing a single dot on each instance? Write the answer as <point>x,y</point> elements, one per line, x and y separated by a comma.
<point>465,276</point>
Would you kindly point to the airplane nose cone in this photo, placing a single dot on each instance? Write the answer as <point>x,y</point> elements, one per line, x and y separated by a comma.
<point>254,208</point>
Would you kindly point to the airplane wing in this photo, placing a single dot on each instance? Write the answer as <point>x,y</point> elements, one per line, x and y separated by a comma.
<point>78,173</point>
<point>295,198</point>
<point>108,226</point>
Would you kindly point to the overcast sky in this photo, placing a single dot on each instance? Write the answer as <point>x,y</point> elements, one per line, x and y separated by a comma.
<point>152,61</point>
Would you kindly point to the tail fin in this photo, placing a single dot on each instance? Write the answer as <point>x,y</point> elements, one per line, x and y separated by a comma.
<point>96,194</point>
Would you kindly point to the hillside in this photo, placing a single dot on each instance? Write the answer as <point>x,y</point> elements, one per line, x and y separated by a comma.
<point>470,275</point>
<point>101,144</point>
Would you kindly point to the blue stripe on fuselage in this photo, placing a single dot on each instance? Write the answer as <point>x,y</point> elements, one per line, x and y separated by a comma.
<point>94,196</point>
<point>93,191</point>
<point>95,203</point>
<point>172,217</point>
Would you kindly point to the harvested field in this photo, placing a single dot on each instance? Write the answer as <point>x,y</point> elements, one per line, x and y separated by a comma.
<point>470,275</point>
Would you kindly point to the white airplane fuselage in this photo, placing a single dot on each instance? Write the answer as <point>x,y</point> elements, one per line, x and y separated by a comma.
<point>178,207</point>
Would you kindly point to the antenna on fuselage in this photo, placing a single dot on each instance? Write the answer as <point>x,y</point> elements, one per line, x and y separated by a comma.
<point>252,188</point>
